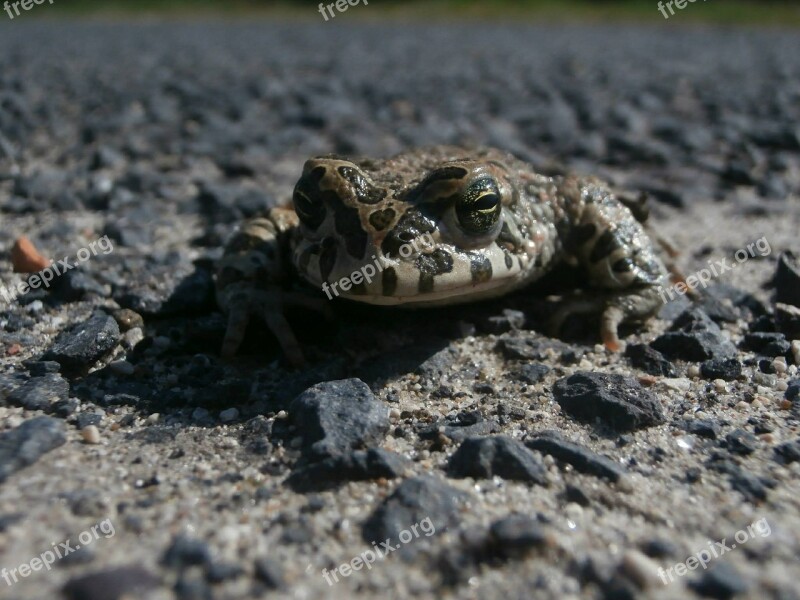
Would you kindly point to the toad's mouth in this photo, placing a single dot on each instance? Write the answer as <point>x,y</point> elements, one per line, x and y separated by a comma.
<point>444,274</point>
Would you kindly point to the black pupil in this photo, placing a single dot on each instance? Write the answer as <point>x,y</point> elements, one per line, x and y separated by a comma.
<point>478,211</point>
<point>487,202</point>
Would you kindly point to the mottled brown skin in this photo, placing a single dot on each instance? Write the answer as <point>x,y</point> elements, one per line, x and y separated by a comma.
<point>496,223</point>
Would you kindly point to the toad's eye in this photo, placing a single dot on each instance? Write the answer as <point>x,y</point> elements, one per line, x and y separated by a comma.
<point>311,213</point>
<point>478,210</point>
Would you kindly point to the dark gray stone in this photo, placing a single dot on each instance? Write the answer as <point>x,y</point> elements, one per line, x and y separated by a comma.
<point>531,373</point>
<point>414,501</point>
<point>722,581</point>
<point>186,552</point>
<point>767,344</point>
<point>112,584</point>
<point>721,368</point>
<point>27,443</point>
<point>788,452</point>
<point>649,360</point>
<point>579,457</point>
<point>703,428</point>
<point>501,456</point>
<point>618,402</point>
<point>82,345</point>
<point>269,573</point>
<point>694,337</point>
<point>793,390</point>
<point>40,393</point>
<point>787,280</point>
<point>787,318</point>
<point>337,417</point>
<point>517,535</point>
<point>360,465</point>
<point>529,346</point>
<point>741,442</point>
<point>459,427</point>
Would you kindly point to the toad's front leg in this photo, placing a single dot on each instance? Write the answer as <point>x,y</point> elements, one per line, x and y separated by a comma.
<point>254,278</point>
<point>605,237</point>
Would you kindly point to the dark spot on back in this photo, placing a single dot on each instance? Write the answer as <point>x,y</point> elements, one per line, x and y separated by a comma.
<point>307,199</point>
<point>443,174</point>
<point>411,225</point>
<point>507,257</point>
<point>380,219</point>
<point>365,192</point>
<point>480,267</point>
<point>348,225</point>
<point>430,265</point>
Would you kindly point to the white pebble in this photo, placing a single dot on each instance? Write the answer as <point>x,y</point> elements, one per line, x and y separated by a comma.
<point>779,364</point>
<point>153,419</point>
<point>796,351</point>
<point>641,569</point>
<point>90,434</point>
<point>720,385</point>
<point>680,384</point>
<point>693,371</point>
<point>782,385</point>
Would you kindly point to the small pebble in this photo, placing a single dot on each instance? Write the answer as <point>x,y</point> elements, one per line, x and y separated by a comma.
<point>122,367</point>
<point>742,406</point>
<point>782,386</point>
<point>720,385</point>
<point>693,371</point>
<point>228,415</point>
<point>90,434</point>
<point>796,351</point>
<point>780,365</point>
<point>200,414</point>
<point>680,384</point>
<point>640,569</point>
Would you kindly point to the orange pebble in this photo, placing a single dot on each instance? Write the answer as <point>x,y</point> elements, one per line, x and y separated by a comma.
<point>26,258</point>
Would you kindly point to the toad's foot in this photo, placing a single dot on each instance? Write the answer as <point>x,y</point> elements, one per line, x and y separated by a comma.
<point>242,302</point>
<point>615,309</point>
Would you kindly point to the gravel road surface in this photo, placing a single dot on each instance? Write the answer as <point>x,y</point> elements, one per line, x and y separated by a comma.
<point>496,462</point>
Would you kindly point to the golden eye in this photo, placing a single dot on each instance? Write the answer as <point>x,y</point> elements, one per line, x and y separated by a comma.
<point>478,210</point>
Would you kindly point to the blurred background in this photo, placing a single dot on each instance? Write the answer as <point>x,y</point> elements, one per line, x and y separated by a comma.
<point>786,12</point>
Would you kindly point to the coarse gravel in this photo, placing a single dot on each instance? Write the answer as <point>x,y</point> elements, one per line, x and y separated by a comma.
<point>212,479</point>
